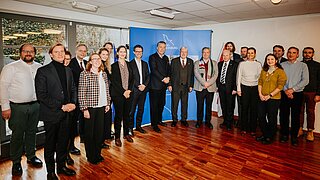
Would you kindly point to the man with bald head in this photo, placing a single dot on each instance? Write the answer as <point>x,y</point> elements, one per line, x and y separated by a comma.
<point>226,83</point>
<point>20,106</point>
<point>181,83</point>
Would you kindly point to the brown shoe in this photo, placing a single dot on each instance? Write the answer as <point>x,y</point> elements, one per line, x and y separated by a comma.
<point>118,142</point>
<point>310,136</point>
<point>300,132</point>
<point>128,138</point>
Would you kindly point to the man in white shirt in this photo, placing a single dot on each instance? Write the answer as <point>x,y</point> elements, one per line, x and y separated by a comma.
<point>141,77</point>
<point>20,106</point>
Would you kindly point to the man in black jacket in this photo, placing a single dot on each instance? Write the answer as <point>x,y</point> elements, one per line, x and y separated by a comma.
<point>159,77</point>
<point>57,95</point>
<point>311,93</point>
<point>141,81</point>
<point>77,65</point>
<point>226,83</point>
<point>181,83</point>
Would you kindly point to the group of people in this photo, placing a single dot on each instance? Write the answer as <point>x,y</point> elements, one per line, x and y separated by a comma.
<point>71,90</point>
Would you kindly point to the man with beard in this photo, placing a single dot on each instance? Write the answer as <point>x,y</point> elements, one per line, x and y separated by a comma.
<point>20,107</point>
<point>311,93</point>
<point>278,51</point>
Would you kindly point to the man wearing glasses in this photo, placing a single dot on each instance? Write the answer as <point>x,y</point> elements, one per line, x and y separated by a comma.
<point>20,107</point>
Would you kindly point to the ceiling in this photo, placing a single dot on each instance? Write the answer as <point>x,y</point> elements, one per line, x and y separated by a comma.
<point>192,12</point>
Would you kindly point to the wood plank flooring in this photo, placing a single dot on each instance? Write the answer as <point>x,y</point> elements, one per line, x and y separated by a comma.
<point>190,153</point>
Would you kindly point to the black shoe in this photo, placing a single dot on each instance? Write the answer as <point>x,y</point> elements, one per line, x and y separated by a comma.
<point>75,151</point>
<point>16,169</point>
<point>128,138</point>
<point>174,123</point>
<point>66,171</point>
<point>229,128</point>
<point>118,142</point>
<point>35,162</point>
<point>156,129</point>
<point>52,176</point>
<point>141,130</point>
<point>131,133</point>
<point>222,125</point>
<point>185,123</point>
<point>101,159</point>
<point>209,125</point>
<point>162,124</point>
<point>294,142</point>
<point>105,146</point>
<point>69,160</point>
<point>260,138</point>
<point>93,162</point>
<point>266,141</point>
<point>284,139</point>
<point>198,124</point>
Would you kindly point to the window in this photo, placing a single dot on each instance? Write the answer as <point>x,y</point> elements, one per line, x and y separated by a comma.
<point>41,34</point>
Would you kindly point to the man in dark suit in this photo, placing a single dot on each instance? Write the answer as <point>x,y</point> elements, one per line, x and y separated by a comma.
<point>77,65</point>
<point>181,83</point>
<point>159,77</point>
<point>141,81</point>
<point>278,51</point>
<point>226,83</point>
<point>57,95</point>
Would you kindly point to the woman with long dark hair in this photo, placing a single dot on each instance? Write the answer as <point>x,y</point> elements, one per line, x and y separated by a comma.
<point>104,54</point>
<point>271,82</point>
<point>121,89</point>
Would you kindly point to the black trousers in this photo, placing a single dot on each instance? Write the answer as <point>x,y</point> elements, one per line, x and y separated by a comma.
<point>268,109</point>
<point>227,102</point>
<point>139,98</point>
<point>239,109</point>
<point>295,106</point>
<point>56,140</point>
<point>157,103</point>
<point>249,100</point>
<point>122,108</point>
<point>107,124</point>
<point>179,93</point>
<point>204,96</point>
<point>93,133</point>
<point>73,130</point>
<point>78,117</point>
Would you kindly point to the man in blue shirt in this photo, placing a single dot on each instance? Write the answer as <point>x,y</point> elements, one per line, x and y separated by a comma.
<point>292,95</point>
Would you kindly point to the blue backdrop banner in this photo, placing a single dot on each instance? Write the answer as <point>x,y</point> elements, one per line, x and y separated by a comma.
<point>194,40</point>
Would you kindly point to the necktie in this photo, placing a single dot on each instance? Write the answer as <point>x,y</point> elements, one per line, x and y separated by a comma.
<point>183,63</point>
<point>223,73</point>
<point>81,66</point>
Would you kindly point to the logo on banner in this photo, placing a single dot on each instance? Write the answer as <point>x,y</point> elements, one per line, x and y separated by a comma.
<point>169,42</point>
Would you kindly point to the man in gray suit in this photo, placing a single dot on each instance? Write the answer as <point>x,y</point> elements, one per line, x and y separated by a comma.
<point>206,73</point>
<point>181,83</point>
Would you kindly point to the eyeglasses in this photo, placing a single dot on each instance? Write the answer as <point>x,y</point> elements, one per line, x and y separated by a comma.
<point>25,51</point>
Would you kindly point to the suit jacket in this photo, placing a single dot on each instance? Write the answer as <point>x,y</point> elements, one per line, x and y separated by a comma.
<point>50,93</point>
<point>116,88</point>
<point>200,79</point>
<point>136,75</point>
<point>159,69</point>
<point>175,72</point>
<point>283,59</point>
<point>236,56</point>
<point>76,70</point>
<point>230,76</point>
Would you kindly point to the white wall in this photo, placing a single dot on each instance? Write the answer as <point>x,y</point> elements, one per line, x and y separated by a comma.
<point>299,31</point>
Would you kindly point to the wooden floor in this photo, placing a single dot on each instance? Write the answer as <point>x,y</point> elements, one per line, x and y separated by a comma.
<point>190,153</point>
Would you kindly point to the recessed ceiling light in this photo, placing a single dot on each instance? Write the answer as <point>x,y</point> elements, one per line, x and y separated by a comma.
<point>163,14</point>
<point>276,1</point>
<point>84,6</point>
